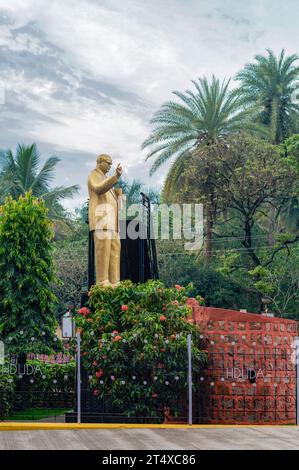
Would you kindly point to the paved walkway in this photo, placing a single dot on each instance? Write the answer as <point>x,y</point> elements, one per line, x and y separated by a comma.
<point>132,439</point>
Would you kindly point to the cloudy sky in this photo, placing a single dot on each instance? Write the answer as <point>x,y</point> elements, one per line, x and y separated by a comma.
<point>83,77</point>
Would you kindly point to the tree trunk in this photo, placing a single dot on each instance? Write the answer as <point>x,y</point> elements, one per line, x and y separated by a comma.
<point>274,121</point>
<point>209,232</point>
<point>247,243</point>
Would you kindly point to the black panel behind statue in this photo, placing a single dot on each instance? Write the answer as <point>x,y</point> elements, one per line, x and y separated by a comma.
<point>138,256</point>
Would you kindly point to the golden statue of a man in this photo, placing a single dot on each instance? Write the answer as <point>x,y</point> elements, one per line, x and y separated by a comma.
<point>103,220</point>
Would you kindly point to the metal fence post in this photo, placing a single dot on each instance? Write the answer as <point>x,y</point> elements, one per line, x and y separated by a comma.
<point>297,378</point>
<point>189,344</point>
<point>78,377</point>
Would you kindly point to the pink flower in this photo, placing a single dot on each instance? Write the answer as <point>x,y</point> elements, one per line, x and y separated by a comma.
<point>95,363</point>
<point>162,318</point>
<point>99,373</point>
<point>116,338</point>
<point>96,392</point>
<point>84,311</point>
<point>124,307</point>
<point>175,302</point>
<point>154,395</point>
<point>178,287</point>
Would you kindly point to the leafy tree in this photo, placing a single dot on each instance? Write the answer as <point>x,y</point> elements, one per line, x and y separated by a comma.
<point>290,149</point>
<point>288,212</point>
<point>280,283</point>
<point>218,290</point>
<point>27,302</point>
<point>71,262</point>
<point>250,176</point>
<point>23,172</point>
<point>269,86</point>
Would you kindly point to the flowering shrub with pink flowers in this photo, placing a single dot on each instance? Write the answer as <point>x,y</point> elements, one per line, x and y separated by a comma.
<point>134,346</point>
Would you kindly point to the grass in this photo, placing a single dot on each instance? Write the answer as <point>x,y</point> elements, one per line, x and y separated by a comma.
<point>35,414</point>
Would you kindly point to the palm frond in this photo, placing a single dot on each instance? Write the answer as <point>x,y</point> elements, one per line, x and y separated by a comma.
<point>59,192</point>
<point>270,81</point>
<point>45,175</point>
<point>27,161</point>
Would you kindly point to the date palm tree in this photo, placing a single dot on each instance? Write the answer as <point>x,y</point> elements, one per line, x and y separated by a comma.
<point>270,86</point>
<point>202,117</point>
<point>23,172</point>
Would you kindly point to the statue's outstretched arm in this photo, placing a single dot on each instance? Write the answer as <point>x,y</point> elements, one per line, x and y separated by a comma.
<point>103,186</point>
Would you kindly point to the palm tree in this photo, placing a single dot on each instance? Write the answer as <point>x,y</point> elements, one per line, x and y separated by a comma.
<point>22,172</point>
<point>133,190</point>
<point>204,116</point>
<point>269,87</point>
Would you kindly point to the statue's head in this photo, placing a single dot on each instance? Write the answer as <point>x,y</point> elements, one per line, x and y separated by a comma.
<point>104,162</point>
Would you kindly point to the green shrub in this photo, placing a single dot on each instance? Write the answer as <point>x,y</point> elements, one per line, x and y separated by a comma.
<point>27,301</point>
<point>7,395</point>
<point>134,346</point>
<point>53,385</point>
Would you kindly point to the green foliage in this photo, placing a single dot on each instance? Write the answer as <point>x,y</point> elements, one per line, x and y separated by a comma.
<point>134,343</point>
<point>261,276</point>
<point>224,291</point>
<point>22,172</point>
<point>246,176</point>
<point>48,377</point>
<point>205,115</point>
<point>268,87</point>
<point>132,191</point>
<point>290,149</point>
<point>35,414</point>
<point>71,262</point>
<point>217,288</point>
<point>27,302</point>
<point>53,385</point>
<point>7,394</point>
<point>280,283</point>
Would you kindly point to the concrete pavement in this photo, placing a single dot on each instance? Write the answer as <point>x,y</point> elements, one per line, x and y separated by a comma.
<point>228,438</point>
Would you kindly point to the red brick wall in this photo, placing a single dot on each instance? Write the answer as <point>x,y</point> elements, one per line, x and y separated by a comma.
<point>241,345</point>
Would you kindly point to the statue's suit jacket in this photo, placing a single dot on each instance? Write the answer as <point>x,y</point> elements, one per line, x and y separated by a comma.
<point>103,203</point>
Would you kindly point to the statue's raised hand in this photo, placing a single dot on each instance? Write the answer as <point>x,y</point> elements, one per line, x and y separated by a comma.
<point>118,170</point>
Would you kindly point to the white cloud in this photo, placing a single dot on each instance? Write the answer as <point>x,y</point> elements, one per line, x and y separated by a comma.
<point>135,52</point>
<point>22,42</point>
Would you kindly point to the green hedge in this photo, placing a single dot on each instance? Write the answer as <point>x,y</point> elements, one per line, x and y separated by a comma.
<point>7,395</point>
<point>53,386</point>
